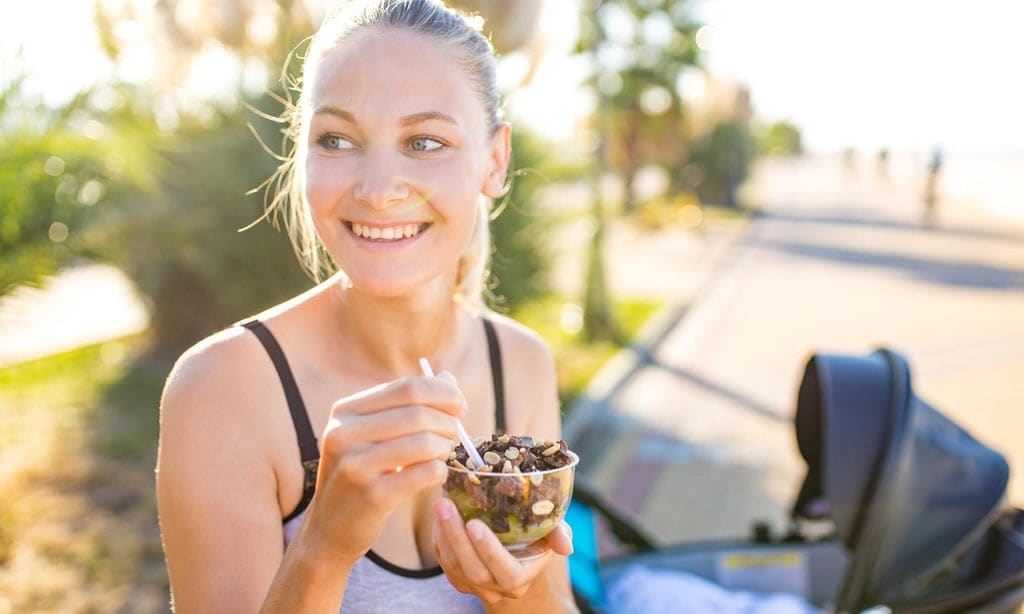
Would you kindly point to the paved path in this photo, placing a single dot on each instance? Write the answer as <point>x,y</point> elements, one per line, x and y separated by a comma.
<point>696,439</point>
<point>83,304</point>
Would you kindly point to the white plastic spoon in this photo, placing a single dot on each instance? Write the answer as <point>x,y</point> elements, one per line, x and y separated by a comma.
<point>467,443</point>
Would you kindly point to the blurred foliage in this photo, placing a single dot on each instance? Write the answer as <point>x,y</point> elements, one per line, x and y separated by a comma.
<point>780,138</point>
<point>182,244</point>
<point>724,156</point>
<point>640,49</point>
<point>57,168</point>
<point>177,33</point>
<point>520,229</point>
<point>577,360</point>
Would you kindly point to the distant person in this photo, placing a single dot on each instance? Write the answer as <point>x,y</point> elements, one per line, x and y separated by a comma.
<point>301,452</point>
<point>931,197</point>
<point>883,164</point>
<point>850,162</point>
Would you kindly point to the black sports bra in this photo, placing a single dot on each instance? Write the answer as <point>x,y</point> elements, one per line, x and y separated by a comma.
<point>308,450</point>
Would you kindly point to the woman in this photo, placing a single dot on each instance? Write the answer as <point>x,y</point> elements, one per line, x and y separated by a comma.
<point>398,151</point>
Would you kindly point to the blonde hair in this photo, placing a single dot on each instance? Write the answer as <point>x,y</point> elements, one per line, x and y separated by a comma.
<point>286,187</point>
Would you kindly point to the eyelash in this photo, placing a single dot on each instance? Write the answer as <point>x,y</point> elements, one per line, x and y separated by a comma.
<point>322,140</point>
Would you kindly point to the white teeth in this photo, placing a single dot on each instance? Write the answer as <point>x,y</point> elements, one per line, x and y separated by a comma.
<point>391,233</point>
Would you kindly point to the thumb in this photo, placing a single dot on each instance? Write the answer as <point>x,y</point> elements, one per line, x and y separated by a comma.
<point>560,540</point>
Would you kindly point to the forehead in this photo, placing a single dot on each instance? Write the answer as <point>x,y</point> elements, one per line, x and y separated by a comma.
<point>383,74</point>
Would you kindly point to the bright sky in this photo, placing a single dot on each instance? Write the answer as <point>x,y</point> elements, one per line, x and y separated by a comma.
<point>907,75</point>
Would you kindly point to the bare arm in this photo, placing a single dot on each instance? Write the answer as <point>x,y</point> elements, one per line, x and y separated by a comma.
<point>217,497</point>
<point>217,489</point>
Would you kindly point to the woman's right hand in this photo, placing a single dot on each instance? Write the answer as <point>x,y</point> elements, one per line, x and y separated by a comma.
<point>380,447</point>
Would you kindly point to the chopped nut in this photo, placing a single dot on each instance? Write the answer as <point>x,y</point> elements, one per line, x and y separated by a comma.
<point>478,441</point>
<point>456,463</point>
<point>512,453</point>
<point>471,465</point>
<point>492,458</point>
<point>552,450</point>
<point>486,469</point>
<point>452,455</point>
<point>507,467</point>
<point>548,443</point>
<point>543,507</point>
<point>474,479</point>
<point>516,469</point>
<point>536,479</point>
<point>503,439</point>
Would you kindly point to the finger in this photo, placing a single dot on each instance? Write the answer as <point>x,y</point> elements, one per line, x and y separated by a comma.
<point>401,452</point>
<point>502,566</point>
<point>456,576</point>
<point>509,572</point>
<point>454,532</point>
<point>412,478</point>
<point>560,539</point>
<point>446,558</point>
<point>394,423</point>
<point>440,393</point>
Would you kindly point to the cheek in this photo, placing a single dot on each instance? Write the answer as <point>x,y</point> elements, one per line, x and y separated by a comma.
<point>323,184</point>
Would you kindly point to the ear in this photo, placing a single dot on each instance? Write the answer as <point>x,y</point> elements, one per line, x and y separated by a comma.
<point>497,166</point>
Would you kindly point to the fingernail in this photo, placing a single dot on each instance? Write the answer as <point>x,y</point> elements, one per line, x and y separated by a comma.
<point>476,532</point>
<point>443,507</point>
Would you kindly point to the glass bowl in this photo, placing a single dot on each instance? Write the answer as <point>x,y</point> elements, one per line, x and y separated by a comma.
<point>520,508</point>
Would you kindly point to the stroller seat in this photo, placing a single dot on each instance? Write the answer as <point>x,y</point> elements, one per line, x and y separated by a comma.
<point>916,507</point>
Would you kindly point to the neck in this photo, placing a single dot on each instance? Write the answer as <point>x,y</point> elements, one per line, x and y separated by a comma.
<point>390,334</point>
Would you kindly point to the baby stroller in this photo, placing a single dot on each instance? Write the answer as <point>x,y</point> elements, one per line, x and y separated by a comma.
<point>913,507</point>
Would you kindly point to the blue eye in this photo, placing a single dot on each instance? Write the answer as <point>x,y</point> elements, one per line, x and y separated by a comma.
<point>423,143</point>
<point>335,142</point>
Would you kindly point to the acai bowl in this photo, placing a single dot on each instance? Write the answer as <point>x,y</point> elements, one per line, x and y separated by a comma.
<point>521,492</point>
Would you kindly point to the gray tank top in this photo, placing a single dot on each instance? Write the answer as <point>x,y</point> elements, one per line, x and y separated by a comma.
<point>378,586</point>
<point>375,584</point>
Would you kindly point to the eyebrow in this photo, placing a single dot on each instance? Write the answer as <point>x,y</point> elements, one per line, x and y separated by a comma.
<point>408,120</point>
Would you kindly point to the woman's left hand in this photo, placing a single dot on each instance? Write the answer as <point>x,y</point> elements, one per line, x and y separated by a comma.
<point>476,562</point>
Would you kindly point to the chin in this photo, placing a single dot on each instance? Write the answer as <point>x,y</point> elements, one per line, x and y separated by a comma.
<point>388,285</point>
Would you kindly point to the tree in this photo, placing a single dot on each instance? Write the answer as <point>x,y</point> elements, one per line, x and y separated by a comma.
<point>781,138</point>
<point>638,50</point>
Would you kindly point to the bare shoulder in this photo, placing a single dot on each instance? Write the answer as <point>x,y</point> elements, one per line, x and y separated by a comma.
<point>216,484</point>
<point>522,347</point>
<point>216,371</point>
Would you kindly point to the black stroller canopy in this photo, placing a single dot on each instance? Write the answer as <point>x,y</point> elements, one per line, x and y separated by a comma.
<point>911,494</point>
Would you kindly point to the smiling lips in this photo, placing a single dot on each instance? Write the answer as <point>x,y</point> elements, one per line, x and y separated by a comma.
<point>382,234</point>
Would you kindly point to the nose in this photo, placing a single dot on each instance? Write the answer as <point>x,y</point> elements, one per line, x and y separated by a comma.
<point>379,185</point>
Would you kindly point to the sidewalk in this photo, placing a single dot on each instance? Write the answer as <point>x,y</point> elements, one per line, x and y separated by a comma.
<point>695,438</point>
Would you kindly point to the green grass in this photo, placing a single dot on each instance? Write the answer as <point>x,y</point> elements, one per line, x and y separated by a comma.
<point>576,359</point>
<point>78,525</point>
